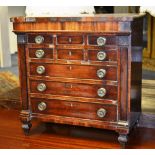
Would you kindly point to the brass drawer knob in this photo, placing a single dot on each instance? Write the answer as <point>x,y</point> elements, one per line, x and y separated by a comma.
<point>101,55</point>
<point>101,112</point>
<point>101,41</point>
<point>39,53</point>
<point>39,39</point>
<point>101,73</point>
<point>42,106</point>
<point>41,87</point>
<point>40,69</point>
<point>101,92</point>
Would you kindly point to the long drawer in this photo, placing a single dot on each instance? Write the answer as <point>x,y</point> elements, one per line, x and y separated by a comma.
<point>74,89</point>
<point>74,109</point>
<point>75,71</point>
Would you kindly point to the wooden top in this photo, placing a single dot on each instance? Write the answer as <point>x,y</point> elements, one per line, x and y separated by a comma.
<point>109,23</point>
<point>83,18</point>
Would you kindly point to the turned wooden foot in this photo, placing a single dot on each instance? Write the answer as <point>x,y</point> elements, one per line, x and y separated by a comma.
<point>26,126</point>
<point>137,122</point>
<point>123,139</point>
<point>25,117</point>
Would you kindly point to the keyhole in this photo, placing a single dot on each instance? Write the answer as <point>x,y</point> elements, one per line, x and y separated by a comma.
<point>70,40</point>
<point>68,85</point>
<point>70,53</point>
<point>71,86</point>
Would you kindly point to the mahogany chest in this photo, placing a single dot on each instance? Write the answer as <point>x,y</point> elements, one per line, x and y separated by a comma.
<point>82,71</point>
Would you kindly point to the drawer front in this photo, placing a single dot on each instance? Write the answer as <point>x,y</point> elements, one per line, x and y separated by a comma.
<point>74,89</point>
<point>75,71</point>
<point>41,53</point>
<point>40,38</point>
<point>75,109</point>
<point>70,54</point>
<point>102,55</point>
<point>94,40</point>
<point>68,39</point>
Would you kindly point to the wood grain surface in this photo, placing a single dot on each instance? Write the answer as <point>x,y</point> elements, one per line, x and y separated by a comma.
<point>54,136</point>
<point>74,41</point>
<point>75,71</point>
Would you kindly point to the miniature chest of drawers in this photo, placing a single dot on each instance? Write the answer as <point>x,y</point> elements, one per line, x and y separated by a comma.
<point>82,71</point>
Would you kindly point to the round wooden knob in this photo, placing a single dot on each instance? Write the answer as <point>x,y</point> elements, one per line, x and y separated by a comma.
<point>101,73</point>
<point>101,92</point>
<point>39,39</point>
<point>42,106</point>
<point>40,69</point>
<point>101,55</point>
<point>41,87</point>
<point>101,41</point>
<point>39,53</point>
<point>101,112</point>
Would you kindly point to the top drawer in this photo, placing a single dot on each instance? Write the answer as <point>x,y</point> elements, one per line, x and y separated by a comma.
<point>101,40</point>
<point>40,38</point>
<point>69,39</point>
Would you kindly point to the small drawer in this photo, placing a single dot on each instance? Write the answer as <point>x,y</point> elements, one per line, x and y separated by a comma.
<point>76,71</point>
<point>101,40</point>
<point>70,54</point>
<point>74,89</point>
<point>65,39</point>
<point>41,53</point>
<point>40,38</point>
<point>102,55</point>
<point>74,109</point>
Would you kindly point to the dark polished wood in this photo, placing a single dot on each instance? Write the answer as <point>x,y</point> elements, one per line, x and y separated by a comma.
<point>47,38</point>
<point>111,54</point>
<point>103,23</point>
<point>67,39</point>
<point>75,109</point>
<point>48,53</point>
<point>87,74</point>
<point>58,136</point>
<point>72,89</point>
<point>75,71</point>
<point>23,75</point>
<point>124,83</point>
<point>110,39</point>
<point>70,54</point>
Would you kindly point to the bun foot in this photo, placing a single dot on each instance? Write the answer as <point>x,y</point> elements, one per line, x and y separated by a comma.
<point>123,139</point>
<point>26,128</point>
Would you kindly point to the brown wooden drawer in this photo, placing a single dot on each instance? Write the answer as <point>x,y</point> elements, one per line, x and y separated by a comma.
<point>75,109</point>
<point>69,39</point>
<point>48,38</point>
<point>110,40</point>
<point>70,54</point>
<point>73,89</point>
<point>74,71</point>
<point>98,55</point>
<point>42,53</point>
